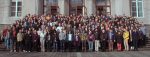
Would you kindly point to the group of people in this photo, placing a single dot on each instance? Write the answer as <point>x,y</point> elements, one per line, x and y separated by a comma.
<point>74,33</point>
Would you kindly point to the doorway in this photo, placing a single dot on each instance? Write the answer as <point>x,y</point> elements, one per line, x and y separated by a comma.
<point>54,10</point>
<point>101,10</point>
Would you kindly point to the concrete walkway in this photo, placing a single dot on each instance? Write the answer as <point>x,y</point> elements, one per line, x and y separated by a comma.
<point>77,54</point>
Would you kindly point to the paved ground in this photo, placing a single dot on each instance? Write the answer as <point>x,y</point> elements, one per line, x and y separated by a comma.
<point>77,54</point>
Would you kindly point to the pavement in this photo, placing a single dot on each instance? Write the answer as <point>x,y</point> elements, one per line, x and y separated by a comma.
<point>76,54</point>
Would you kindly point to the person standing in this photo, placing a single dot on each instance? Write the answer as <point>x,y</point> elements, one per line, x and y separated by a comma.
<point>126,38</point>
<point>19,40</point>
<point>119,39</point>
<point>62,37</point>
<point>48,42</point>
<point>103,38</point>
<point>69,38</point>
<point>135,39</point>
<point>41,33</point>
<point>5,36</point>
<point>76,41</point>
<point>83,37</point>
<point>36,41</point>
<point>90,40</point>
<point>110,40</point>
<point>97,40</point>
<point>28,41</point>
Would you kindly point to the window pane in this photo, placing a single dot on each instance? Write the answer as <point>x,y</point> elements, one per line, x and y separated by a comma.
<point>13,3</point>
<point>133,3</point>
<point>101,2</point>
<point>19,8</point>
<point>133,0</point>
<point>134,14</point>
<point>139,0</point>
<point>19,14</point>
<point>52,2</point>
<point>13,8</point>
<point>19,4</point>
<point>140,12</point>
<point>12,14</point>
<point>133,8</point>
<point>75,2</point>
<point>140,4</point>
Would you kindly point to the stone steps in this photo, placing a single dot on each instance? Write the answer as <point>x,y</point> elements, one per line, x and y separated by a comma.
<point>147,46</point>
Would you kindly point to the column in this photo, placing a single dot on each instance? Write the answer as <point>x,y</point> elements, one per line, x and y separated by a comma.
<point>90,6</point>
<point>61,4</point>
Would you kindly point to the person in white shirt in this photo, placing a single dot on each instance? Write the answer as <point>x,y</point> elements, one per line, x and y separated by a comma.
<point>59,28</point>
<point>69,36</point>
<point>42,39</point>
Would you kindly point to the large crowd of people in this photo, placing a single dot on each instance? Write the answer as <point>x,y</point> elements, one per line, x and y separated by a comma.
<point>47,33</point>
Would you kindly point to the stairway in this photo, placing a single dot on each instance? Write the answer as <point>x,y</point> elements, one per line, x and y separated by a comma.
<point>2,48</point>
<point>146,47</point>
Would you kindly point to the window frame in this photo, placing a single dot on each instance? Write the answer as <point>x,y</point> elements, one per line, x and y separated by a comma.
<point>137,9</point>
<point>14,11</point>
<point>105,6</point>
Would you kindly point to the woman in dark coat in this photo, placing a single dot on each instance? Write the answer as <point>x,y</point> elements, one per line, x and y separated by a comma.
<point>36,41</point>
<point>119,40</point>
<point>135,39</point>
<point>77,41</point>
<point>28,41</point>
<point>104,38</point>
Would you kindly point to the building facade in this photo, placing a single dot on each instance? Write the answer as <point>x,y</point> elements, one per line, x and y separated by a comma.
<point>11,10</point>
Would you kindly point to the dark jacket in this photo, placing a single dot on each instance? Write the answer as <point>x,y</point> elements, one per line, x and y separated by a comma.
<point>119,38</point>
<point>134,35</point>
<point>104,36</point>
<point>28,38</point>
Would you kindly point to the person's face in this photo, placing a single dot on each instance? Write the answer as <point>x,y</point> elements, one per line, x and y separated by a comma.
<point>90,32</point>
<point>28,32</point>
<point>103,31</point>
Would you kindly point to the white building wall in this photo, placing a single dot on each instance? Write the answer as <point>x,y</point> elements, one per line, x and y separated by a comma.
<point>146,9</point>
<point>4,12</point>
<point>30,6</point>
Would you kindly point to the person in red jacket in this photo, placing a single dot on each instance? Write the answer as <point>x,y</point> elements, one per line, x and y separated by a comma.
<point>91,40</point>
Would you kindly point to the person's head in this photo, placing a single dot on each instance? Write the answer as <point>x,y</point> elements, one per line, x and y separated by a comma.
<point>90,32</point>
<point>103,31</point>
<point>28,32</point>
<point>119,32</point>
<point>20,30</point>
<point>110,30</point>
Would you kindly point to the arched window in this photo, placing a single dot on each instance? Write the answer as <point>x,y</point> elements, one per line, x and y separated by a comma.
<point>137,8</point>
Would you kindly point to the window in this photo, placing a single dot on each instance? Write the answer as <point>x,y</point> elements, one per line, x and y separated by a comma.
<point>137,8</point>
<point>53,2</point>
<point>16,8</point>
<point>75,7</point>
